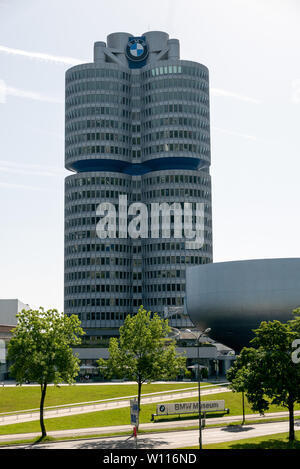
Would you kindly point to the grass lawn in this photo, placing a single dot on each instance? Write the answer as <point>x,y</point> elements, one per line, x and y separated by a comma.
<point>277,441</point>
<point>28,397</point>
<point>121,416</point>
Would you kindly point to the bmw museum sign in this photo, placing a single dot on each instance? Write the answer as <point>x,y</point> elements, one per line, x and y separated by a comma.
<point>137,51</point>
<point>189,407</point>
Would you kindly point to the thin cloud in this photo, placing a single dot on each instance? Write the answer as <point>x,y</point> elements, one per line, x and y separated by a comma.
<point>19,93</point>
<point>29,169</point>
<point>41,56</point>
<point>230,94</point>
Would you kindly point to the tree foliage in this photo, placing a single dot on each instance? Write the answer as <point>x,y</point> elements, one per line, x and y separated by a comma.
<point>40,350</point>
<point>143,352</point>
<point>266,372</point>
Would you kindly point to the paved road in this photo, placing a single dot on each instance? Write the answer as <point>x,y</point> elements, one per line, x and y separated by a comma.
<point>105,405</point>
<point>170,440</point>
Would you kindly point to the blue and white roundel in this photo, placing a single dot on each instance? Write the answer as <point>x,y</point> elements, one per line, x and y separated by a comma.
<point>136,50</point>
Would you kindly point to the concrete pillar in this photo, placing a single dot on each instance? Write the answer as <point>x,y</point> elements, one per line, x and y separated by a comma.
<point>174,49</point>
<point>99,56</point>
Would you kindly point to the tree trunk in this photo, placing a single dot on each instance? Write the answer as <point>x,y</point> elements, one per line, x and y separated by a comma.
<point>43,395</point>
<point>139,399</point>
<point>291,421</point>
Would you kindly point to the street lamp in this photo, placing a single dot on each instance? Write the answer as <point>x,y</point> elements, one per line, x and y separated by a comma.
<point>199,392</point>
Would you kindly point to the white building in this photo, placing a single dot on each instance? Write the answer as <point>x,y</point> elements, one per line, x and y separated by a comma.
<point>8,320</point>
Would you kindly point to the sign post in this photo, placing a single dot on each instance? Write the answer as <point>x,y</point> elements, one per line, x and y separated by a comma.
<point>134,417</point>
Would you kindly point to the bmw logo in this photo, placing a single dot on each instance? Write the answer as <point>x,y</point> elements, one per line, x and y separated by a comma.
<point>162,408</point>
<point>137,49</point>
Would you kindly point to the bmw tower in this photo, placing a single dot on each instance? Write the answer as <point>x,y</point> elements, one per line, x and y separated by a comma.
<point>137,124</point>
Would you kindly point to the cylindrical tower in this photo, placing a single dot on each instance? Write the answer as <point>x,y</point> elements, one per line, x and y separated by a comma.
<point>137,125</point>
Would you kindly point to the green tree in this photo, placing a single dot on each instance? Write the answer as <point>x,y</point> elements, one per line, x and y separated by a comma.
<point>266,372</point>
<point>40,350</point>
<point>143,352</point>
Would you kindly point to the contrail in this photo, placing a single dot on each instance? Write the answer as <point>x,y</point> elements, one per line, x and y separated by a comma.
<point>42,56</point>
<point>32,169</point>
<point>31,95</point>
<point>230,94</point>
<point>17,92</point>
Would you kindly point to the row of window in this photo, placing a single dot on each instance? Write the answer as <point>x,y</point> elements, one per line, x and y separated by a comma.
<point>97,124</point>
<point>175,120</point>
<point>179,83</point>
<point>146,194</point>
<point>175,82</point>
<point>86,86</point>
<point>105,275</point>
<point>126,126</point>
<point>175,95</point>
<point>103,261</point>
<point>166,134</point>
<point>82,248</point>
<point>91,221</point>
<point>159,193</point>
<point>147,151</point>
<point>102,275</point>
<point>167,69</point>
<point>109,248</point>
<point>153,302</point>
<point>98,150</point>
<point>177,179</point>
<point>73,75</point>
<point>83,302</point>
<point>128,262</point>
<point>132,249</point>
<point>87,111</point>
<point>103,136</point>
<point>103,180</point>
<point>170,108</point>
<point>177,147</point>
<point>92,288</point>
<point>97,98</point>
<point>164,287</point>
<point>163,274</point>
<point>125,182</point>
<point>116,137</point>
<point>123,302</point>
<point>108,288</point>
<point>113,316</point>
<point>172,260</point>
<point>97,111</point>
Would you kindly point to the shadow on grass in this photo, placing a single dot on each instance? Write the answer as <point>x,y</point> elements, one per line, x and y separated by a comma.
<point>42,439</point>
<point>270,444</point>
<point>236,428</point>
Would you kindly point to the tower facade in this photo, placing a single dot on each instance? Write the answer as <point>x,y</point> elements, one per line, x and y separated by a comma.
<point>137,126</point>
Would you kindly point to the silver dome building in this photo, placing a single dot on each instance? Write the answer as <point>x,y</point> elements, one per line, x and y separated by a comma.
<point>233,298</point>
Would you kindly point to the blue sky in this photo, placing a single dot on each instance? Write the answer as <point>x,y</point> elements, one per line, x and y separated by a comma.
<point>251,48</point>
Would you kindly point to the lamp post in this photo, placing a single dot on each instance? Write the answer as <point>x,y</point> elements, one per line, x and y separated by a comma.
<point>199,379</point>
